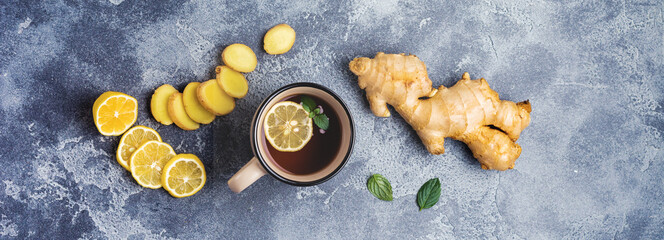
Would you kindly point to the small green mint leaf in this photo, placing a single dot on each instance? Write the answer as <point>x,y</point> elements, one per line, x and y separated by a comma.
<point>380,187</point>
<point>307,103</point>
<point>312,114</point>
<point>317,110</point>
<point>322,121</point>
<point>306,108</point>
<point>428,194</point>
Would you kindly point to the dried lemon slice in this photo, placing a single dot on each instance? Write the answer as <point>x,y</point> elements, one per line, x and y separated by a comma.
<point>288,127</point>
<point>183,176</point>
<point>131,140</point>
<point>147,162</point>
<point>114,113</point>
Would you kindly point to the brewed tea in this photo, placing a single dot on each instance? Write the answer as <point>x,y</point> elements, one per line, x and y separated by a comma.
<point>319,151</point>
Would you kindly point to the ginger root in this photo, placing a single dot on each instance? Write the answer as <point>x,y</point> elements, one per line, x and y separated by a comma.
<point>469,111</point>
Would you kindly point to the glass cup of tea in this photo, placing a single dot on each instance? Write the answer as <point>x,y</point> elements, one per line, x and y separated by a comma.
<point>319,160</point>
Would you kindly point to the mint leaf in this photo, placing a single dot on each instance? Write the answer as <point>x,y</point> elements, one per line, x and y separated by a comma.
<point>322,121</point>
<point>428,194</point>
<point>308,104</point>
<point>380,187</point>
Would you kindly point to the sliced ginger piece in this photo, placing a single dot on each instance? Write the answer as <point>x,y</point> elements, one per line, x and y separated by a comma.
<point>239,57</point>
<point>194,109</point>
<point>232,82</point>
<point>178,114</point>
<point>159,103</point>
<point>214,99</point>
<point>279,39</point>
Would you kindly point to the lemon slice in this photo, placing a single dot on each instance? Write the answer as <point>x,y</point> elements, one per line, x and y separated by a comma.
<point>183,175</point>
<point>288,126</point>
<point>147,162</point>
<point>131,140</point>
<point>114,113</point>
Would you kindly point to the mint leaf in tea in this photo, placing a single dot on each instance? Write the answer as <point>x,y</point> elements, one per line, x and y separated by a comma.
<point>315,112</point>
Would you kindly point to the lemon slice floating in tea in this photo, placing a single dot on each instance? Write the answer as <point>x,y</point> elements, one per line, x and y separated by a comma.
<point>288,127</point>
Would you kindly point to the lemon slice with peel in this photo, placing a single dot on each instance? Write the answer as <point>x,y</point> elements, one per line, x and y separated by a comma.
<point>288,127</point>
<point>114,113</point>
<point>147,162</point>
<point>131,140</point>
<point>183,176</point>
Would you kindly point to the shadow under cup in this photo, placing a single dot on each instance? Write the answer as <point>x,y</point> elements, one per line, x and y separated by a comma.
<point>262,162</point>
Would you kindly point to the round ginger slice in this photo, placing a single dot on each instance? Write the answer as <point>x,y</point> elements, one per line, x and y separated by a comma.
<point>239,57</point>
<point>232,82</point>
<point>178,114</point>
<point>279,39</point>
<point>214,99</point>
<point>194,109</point>
<point>159,104</point>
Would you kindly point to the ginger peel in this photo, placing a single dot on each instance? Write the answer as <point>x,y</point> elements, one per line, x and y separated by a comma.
<point>470,111</point>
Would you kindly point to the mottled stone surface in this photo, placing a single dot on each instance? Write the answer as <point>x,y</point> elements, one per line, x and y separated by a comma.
<point>592,161</point>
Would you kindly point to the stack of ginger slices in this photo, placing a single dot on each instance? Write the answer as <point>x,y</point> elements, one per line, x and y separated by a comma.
<point>200,103</point>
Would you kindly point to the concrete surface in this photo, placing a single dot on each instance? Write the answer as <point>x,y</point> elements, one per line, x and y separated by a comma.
<point>592,161</point>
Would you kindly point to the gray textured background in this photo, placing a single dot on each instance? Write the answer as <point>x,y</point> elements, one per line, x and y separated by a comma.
<point>592,161</point>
